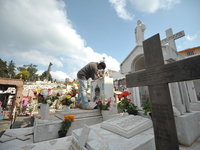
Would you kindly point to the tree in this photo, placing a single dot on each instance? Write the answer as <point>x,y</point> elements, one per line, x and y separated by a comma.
<point>11,69</point>
<point>3,69</point>
<point>43,76</point>
<point>25,75</point>
<point>31,69</point>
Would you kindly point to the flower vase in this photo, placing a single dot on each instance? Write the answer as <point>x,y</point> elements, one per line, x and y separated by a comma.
<point>62,133</point>
<point>44,111</point>
<point>105,114</point>
<point>66,108</point>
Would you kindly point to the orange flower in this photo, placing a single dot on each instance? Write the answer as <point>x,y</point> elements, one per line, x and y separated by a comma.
<point>78,84</point>
<point>129,100</point>
<point>71,117</point>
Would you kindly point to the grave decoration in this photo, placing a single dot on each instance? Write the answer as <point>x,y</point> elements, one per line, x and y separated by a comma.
<point>104,105</point>
<point>126,105</point>
<point>69,98</point>
<point>45,99</point>
<point>66,124</point>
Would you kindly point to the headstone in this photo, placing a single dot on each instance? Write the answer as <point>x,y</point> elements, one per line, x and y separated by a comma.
<point>128,125</point>
<point>79,144</point>
<point>156,77</point>
<point>101,88</point>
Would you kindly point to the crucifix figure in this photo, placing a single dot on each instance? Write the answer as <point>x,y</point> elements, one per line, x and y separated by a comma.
<point>156,76</point>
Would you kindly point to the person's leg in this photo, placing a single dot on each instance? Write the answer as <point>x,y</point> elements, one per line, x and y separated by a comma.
<point>82,98</point>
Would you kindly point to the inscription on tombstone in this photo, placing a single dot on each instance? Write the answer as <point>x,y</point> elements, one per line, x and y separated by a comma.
<point>156,76</point>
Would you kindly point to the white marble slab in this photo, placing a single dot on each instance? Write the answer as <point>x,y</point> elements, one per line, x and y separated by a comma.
<point>101,139</point>
<point>128,125</point>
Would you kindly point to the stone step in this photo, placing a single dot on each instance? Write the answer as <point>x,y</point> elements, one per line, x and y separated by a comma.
<point>78,113</point>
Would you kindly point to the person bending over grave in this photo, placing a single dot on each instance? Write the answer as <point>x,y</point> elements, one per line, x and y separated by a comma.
<point>88,71</point>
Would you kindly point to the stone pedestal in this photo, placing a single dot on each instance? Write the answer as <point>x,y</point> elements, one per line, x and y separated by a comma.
<point>46,129</point>
<point>188,129</point>
<point>81,117</point>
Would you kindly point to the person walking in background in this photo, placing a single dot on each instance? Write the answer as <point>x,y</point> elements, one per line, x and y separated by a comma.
<point>88,71</point>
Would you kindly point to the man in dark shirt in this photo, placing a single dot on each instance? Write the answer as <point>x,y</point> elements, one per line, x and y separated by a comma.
<point>89,71</point>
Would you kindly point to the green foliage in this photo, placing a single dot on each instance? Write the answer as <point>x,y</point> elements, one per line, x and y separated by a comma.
<point>25,75</point>
<point>3,69</point>
<point>147,107</point>
<point>31,69</point>
<point>126,106</point>
<point>66,124</point>
<point>43,76</point>
<point>11,69</point>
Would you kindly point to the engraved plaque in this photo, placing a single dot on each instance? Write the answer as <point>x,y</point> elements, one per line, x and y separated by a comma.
<point>127,126</point>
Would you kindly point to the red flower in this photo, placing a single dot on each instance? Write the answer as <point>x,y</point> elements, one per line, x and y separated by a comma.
<point>64,101</point>
<point>126,93</point>
<point>129,100</point>
<point>121,95</point>
<point>76,92</point>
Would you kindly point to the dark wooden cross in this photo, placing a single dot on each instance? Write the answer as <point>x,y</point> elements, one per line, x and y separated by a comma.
<point>156,76</point>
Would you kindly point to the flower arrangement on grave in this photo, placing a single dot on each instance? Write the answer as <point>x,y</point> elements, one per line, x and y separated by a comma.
<point>69,97</point>
<point>102,105</point>
<point>125,104</point>
<point>66,124</point>
<point>45,96</point>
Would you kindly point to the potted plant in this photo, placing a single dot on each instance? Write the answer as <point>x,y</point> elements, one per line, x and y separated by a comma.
<point>147,108</point>
<point>126,105</point>
<point>104,108</point>
<point>66,124</point>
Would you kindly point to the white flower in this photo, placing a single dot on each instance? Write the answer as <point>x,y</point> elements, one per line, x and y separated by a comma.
<point>73,99</point>
<point>49,101</point>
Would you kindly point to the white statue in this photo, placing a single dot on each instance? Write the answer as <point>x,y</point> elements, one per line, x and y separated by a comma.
<point>139,32</point>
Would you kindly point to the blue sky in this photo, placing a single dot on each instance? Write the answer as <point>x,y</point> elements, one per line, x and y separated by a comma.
<point>71,33</point>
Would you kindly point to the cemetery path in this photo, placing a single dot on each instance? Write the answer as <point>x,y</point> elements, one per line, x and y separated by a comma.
<point>20,122</point>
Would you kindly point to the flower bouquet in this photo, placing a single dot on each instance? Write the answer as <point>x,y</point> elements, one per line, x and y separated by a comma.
<point>104,105</point>
<point>70,97</point>
<point>126,105</point>
<point>66,124</point>
<point>45,96</point>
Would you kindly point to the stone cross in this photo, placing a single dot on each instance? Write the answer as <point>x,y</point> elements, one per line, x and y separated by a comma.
<point>156,76</point>
<point>171,38</point>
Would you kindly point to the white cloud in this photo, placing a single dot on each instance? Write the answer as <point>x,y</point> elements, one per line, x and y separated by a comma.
<point>40,32</point>
<point>59,75</point>
<point>191,37</point>
<point>147,6</point>
<point>119,6</point>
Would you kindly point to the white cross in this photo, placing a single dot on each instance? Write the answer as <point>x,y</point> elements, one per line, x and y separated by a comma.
<point>171,38</point>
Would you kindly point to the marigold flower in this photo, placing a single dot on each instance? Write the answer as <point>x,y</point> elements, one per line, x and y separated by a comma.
<point>78,84</point>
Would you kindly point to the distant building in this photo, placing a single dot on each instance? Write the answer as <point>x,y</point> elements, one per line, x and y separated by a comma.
<point>190,51</point>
